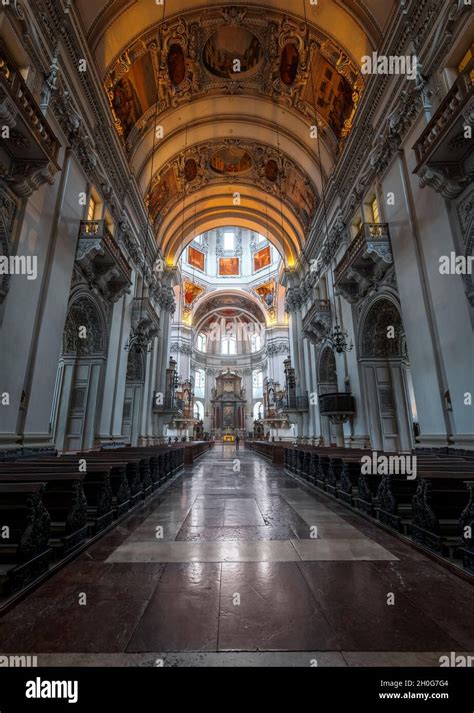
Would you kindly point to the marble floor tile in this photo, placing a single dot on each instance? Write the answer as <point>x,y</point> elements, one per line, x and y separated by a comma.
<point>183,614</point>
<point>242,512</point>
<point>268,606</point>
<point>221,551</point>
<point>341,549</point>
<point>355,600</point>
<point>251,532</point>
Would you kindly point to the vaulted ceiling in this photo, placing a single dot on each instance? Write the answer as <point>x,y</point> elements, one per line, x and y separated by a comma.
<point>233,305</point>
<point>214,104</point>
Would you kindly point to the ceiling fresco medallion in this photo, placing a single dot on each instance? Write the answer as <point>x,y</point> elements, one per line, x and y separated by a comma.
<point>165,190</point>
<point>221,303</point>
<point>231,51</point>
<point>289,64</point>
<point>231,160</point>
<point>190,170</point>
<point>176,64</point>
<point>272,171</point>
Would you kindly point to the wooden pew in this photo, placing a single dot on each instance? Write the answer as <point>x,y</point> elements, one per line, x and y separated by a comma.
<point>350,473</point>
<point>137,470</point>
<point>331,465</point>
<point>394,501</point>
<point>164,461</point>
<point>466,522</point>
<point>96,485</point>
<point>25,553</point>
<point>148,465</point>
<point>395,494</point>
<point>438,506</point>
<point>274,452</point>
<point>65,501</point>
<point>129,459</point>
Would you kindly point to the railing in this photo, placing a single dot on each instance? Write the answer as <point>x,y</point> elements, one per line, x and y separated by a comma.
<point>336,403</point>
<point>323,306</point>
<point>369,232</point>
<point>317,320</point>
<point>144,304</point>
<point>15,86</point>
<point>447,112</point>
<point>169,403</point>
<point>292,403</point>
<point>97,229</point>
<point>143,309</point>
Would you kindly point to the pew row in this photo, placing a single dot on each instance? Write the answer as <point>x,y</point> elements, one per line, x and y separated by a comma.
<point>24,535</point>
<point>51,506</point>
<point>435,509</point>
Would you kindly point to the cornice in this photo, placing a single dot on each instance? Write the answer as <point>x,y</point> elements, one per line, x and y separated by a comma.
<point>59,26</point>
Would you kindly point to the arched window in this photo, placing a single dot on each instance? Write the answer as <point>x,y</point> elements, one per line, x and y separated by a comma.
<point>199,382</point>
<point>229,241</point>
<point>198,411</point>
<point>228,345</point>
<point>258,411</point>
<point>257,383</point>
<point>201,342</point>
<point>255,342</point>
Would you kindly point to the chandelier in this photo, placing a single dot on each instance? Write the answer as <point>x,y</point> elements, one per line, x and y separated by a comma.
<point>338,339</point>
<point>139,340</point>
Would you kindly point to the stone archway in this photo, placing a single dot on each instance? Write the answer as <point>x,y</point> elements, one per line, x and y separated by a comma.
<point>385,375</point>
<point>80,374</point>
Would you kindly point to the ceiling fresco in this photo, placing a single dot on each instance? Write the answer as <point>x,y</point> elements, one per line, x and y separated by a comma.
<point>235,51</point>
<point>226,305</point>
<point>244,162</point>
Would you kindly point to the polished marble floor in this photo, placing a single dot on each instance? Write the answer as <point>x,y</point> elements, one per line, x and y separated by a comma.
<point>236,563</point>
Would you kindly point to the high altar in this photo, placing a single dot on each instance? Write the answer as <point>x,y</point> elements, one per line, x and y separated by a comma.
<point>228,404</point>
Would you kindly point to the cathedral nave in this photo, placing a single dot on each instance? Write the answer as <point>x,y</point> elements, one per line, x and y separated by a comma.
<point>236,339</point>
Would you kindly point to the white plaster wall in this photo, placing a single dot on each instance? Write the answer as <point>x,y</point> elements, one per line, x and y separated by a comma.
<point>409,272</point>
